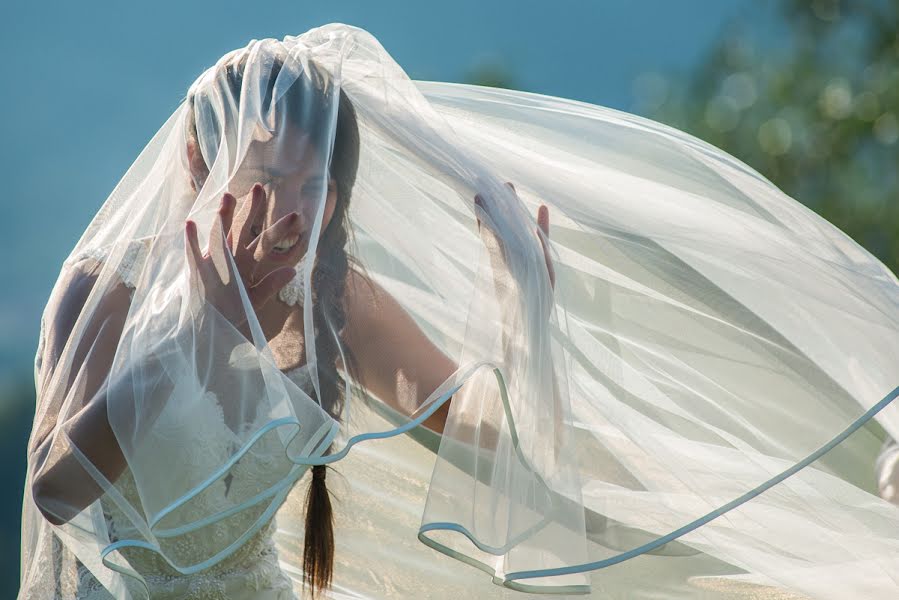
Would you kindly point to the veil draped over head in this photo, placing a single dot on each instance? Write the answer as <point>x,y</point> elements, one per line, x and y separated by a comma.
<point>697,387</point>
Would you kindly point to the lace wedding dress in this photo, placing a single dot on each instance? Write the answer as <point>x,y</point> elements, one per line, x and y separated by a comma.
<point>250,572</point>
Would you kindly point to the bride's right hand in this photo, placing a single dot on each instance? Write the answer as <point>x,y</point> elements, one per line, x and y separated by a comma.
<point>248,253</point>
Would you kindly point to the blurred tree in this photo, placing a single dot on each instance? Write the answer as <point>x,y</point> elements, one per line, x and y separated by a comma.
<point>492,74</point>
<point>16,414</point>
<point>814,108</point>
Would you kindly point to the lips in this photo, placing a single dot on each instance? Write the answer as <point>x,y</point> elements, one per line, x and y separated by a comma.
<point>285,245</point>
<point>282,247</point>
<point>287,249</point>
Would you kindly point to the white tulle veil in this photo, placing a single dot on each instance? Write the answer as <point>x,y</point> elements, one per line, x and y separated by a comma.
<point>711,375</point>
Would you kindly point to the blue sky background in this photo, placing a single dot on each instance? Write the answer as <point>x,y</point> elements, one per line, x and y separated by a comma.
<point>88,83</point>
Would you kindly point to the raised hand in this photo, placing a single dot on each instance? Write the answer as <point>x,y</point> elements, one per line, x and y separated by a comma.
<point>542,233</point>
<point>543,224</point>
<point>211,269</point>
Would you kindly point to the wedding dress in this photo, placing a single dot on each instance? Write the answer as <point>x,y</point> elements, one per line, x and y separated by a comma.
<point>681,391</point>
<point>250,573</point>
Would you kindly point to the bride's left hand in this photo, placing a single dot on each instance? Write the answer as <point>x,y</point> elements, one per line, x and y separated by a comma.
<point>542,233</point>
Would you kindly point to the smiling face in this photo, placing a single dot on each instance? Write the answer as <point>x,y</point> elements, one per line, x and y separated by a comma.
<point>281,117</point>
<point>295,180</point>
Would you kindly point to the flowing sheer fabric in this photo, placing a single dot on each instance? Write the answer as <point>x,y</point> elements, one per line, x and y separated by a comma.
<point>702,393</point>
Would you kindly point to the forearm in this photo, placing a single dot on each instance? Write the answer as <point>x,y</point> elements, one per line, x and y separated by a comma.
<point>488,433</point>
<point>74,463</point>
<point>65,486</point>
<point>437,421</point>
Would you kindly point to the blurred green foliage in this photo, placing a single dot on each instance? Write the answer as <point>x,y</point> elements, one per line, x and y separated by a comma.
<point>491,74</point>
<point>811,102</point>
<point>16,413</point>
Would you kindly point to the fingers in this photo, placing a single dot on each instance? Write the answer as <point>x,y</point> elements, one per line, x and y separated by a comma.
<point>479,202</point>
<point>226,214</point>
<point>245,236</point>
<point>194,254</point>
<point>542,230</point>
<point>543,219</point>
<point>543,227</point>
<point>221,226</point>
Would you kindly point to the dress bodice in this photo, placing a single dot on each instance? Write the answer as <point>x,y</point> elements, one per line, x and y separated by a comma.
<point>251,571</point>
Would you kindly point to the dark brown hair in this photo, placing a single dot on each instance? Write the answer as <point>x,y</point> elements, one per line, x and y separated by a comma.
<point>329,318</point>
<point>329,278</point>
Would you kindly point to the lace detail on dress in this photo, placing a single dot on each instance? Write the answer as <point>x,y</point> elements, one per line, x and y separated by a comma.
<point>71,579</point>
<point>251,571</point>
<point>131,265</point>
<point>250,568</point>
<point>293,293</point>
<point>253,567</point>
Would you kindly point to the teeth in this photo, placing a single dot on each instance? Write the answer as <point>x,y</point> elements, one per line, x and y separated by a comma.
<point>286,243</point>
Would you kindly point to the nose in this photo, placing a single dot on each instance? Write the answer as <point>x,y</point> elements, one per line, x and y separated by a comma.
<point>280,202</point>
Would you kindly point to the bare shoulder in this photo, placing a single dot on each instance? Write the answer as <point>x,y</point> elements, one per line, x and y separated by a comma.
<point>373,315</point>
<point>364,296</point>
<point>78,283</point>
<point>77,293</point>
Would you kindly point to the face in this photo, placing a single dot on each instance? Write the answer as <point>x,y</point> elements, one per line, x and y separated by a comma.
<point>294,179</point>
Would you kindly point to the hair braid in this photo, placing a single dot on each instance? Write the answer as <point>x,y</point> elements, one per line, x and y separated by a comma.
<point>329,318</point>
<point>329,279</point>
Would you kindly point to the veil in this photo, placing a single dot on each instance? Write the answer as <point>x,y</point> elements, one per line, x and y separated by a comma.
<point>706,368</point>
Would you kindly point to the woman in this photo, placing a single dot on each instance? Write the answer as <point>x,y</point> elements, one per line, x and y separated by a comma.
<point>667,381</point>
<point>380,341</point>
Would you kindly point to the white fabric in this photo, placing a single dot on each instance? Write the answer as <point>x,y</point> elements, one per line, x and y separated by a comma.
<point>887,469</point>
<point>703,392</point>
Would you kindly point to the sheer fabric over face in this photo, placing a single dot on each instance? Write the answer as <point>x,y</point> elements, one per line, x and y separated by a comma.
<point>703,386</point>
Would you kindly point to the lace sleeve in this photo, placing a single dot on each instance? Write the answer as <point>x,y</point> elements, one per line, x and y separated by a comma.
<point>131,265</point>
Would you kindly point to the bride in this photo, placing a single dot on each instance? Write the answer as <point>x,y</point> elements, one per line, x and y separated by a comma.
<point>690,373</point>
